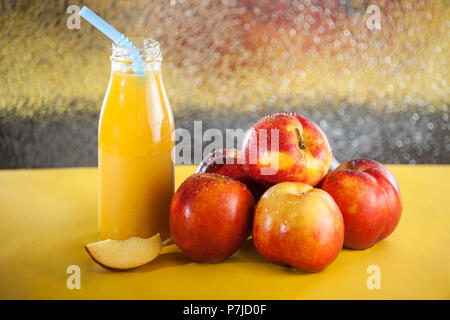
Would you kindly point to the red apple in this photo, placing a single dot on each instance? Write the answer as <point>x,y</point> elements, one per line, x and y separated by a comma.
<point>210,216</point>
<point>286,147</point>
<point>227,162</point>
<point>369,197</point>
<point>298,225</point>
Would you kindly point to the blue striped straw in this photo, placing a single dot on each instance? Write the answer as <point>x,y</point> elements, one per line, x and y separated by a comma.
<point>117,37</point>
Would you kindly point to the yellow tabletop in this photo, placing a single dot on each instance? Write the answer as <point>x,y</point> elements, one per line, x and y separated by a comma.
<point>46,217</point>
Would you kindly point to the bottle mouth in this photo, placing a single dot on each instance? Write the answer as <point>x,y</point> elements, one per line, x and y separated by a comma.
<point>149,49</point>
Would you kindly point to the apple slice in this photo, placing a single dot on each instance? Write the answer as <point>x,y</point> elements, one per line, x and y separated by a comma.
<point>121,255</point>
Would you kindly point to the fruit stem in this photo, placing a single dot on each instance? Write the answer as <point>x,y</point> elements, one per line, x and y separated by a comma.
<point>301,140</point>
<point>166,242</point>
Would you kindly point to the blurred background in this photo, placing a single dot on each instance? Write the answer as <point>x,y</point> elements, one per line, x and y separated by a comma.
<point>381,94</point>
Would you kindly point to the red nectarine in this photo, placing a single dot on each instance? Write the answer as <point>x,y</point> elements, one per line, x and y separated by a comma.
<point>369,198</point>
<point>286,147</point>
<point>227,162</point>
<point>298,225</point>
<point>210,216</point>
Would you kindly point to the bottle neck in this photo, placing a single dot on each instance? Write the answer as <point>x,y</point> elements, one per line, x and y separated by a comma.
<point>128,67</point>
<point>149,50</point>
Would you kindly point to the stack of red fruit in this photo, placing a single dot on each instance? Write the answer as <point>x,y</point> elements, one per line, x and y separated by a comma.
<point>285,188</point>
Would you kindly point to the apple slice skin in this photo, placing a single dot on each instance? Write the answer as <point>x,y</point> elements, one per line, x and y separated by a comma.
<point>103,265</point>
<point>156,239</point>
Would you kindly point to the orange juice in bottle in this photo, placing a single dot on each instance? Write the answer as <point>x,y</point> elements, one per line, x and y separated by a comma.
<point>135,148</point>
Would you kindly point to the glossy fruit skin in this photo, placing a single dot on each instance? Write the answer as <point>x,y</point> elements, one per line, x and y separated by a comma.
<point>302,154</point>
<point>210,216</point>
<point>228,162</point>
<point>298,225</point>
<point>369,197</point>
